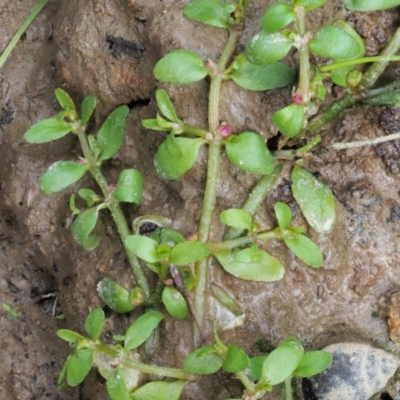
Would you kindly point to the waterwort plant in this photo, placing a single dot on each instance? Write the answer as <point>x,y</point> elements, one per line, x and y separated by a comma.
<point>170,255</point>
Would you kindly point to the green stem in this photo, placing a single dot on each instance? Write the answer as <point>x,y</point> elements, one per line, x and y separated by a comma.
<point>304,57</point>
<point>146,368</point>
<point>358,61</point>
<point>255,199</point>
<point>194,130</point>
<point>31,17</point>
<point>117,214</point>
<point>367,142</point>
<point>247,382</point>
<point>213,166</point>
<point>243,241</point>
<point>288,388</point>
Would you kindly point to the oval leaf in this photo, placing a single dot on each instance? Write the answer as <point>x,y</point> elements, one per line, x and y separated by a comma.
<point>266,48</point>
<point>69,336</point>
<point>64,100</point>
<point>237,218</point>
<point>188,252</point>
<point>308,4</point>
<point>251,264</point>
<point>165,105</point>
<point>116,386</point>
<point>370,5</point>
<point>111,133</point>
<point>249,152</point>
<point>263,77</point>
<point>47,130</point>
<point>79,366</point>
<point>172,162</point>
<point>141,329</point>
<point>83,226</point>
<point>306,250</point>
<point>277,17</point>
<point>282,361</point>
<point>333,42</point>
<point>180,66</point>
<point>203,361</point>
<point>94,323</point>
<point>115,296</point>
<point>129,187</point>
<point>60,175</point>
<point>315,200</point>
<point>210,12</point>
<point>283,214</point>
<point>312,363</point>
<point>87,107</point>
<point>143,246</point>
<point>159,391</point>
<point>289,120</point>
<point>236,359</point>
<point>174,303</point>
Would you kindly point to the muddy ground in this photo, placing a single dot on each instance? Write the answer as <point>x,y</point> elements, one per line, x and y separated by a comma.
<point>66,47</point>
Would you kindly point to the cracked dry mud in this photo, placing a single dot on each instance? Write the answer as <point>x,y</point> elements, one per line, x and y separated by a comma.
<point>67,47</point>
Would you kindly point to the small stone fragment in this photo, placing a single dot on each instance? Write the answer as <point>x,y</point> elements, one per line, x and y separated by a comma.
<point>358,372</point>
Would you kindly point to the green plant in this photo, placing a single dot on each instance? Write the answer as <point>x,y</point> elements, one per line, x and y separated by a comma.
<point>166,252</point>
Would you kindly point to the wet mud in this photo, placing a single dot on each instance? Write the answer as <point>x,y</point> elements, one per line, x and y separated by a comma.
<point>108,49</point>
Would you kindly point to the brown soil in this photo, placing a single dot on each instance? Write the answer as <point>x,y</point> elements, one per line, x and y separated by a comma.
<point>67,47</point>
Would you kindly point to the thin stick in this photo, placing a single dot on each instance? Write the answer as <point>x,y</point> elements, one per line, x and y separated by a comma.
<point>367,142</point>
<point>10,47</point>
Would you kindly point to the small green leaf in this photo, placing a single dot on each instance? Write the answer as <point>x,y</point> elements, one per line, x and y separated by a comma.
<point>188,252</point>
<point>283,214</point>
<point>79,366</point>
<point>226,299</point>
<point>141,329</point>
<point>94,323</point>
<point>289,120</point>
<point>249,152</point>
<point>306,250</point>
<point>237,218</point>
<point>308,4</point>
<point>174,303</point>
<point>370,5</point>
<point>315,200</point>
<point>47,130</point>
<point>159,391</point>
<point>144,247</point>
<point>83,226</point>
<point>210,12</point>
<point>165,105</point>
<point>88,195</point>
<point>11,310</point>
<point>168,236</point>
<point>263,77</point>
<point>129,187</point>
<point>277,17</point>
<point>63,371</point>
<point>60,175</point>
<point>267,48</point>
<point>203,361</point>
<point>152,124</point>
<point>282,361</point>
<point>312,363</point>
<point>115,296</point>
<point>180,66</point>
<point>236,360</point>
<point>333,42</point>
<point>87,107</point>
<point>251,264</point>
<point>69,336</point>
<point>111,133</point>
<point>255,367</point>
<point>116,386</point>
<point>64,100</point>
<point>172,161</point>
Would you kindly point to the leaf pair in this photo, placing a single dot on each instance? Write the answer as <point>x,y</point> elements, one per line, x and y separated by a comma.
<point>149,250</point>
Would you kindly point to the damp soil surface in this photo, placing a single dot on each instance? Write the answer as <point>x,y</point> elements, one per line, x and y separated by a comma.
<point>108,48</point>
